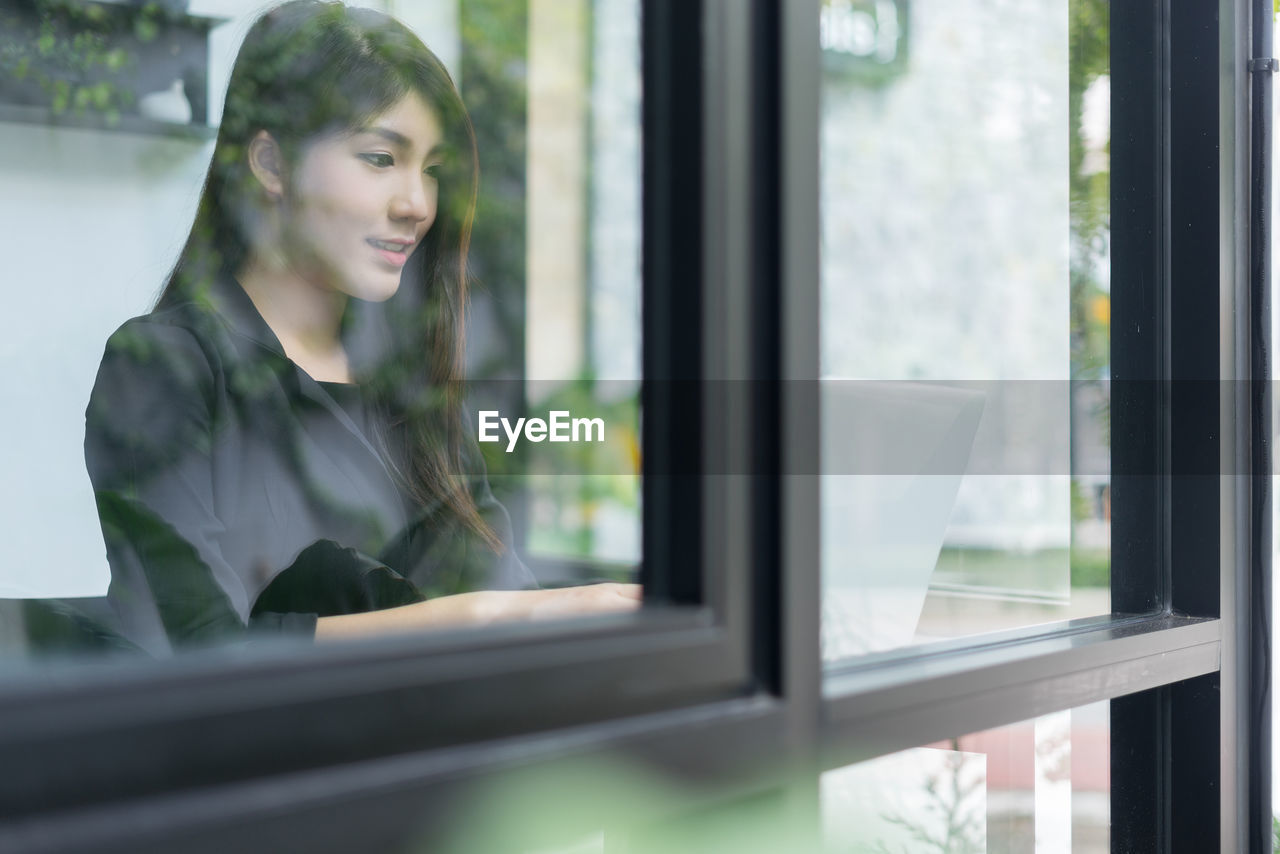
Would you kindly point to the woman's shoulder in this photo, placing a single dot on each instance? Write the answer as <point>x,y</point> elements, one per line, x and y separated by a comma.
<point>179,325</point>
<point>176,335</point>
<point>153,400</point>
<point>165,353</point>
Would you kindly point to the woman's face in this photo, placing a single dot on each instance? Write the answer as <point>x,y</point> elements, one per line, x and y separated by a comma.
<point>359,203</point>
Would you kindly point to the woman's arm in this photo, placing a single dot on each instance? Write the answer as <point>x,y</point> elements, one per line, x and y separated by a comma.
<point>483,608</point>
<point>149,434</point>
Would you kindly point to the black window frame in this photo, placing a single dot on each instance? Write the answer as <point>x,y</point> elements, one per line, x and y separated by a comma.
<point>82,740</point>
<point>1184,657</point>
<point>731,293</point>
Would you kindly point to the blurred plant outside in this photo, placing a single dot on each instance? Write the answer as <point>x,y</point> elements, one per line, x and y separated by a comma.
<point>953,820</point>
<point>572,484</point>
<point>76,57</point>
<point>590,488</point>
<point>942,798</point>
<point>1090,191</point>
<point>623,803</point>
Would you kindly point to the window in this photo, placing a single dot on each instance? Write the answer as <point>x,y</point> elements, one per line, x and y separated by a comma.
<point>719,699</point>
<point>553,91</point>
<point>554,336</point>
<point>1041,785</point>
<point>1165,503</point>
<point>965,341</point>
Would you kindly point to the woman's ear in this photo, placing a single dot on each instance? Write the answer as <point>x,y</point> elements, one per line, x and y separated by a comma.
<point>267,163</point>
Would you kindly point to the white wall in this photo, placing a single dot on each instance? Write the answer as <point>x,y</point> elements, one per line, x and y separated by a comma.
<point>91,222</point>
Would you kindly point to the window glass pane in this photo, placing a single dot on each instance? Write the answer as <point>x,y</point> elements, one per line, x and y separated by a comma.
<point>965,318</point>
<point>1041,785</point>
<point>383,366</point>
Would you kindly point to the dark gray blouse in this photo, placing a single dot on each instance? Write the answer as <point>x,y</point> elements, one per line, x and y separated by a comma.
<point>236,493</point>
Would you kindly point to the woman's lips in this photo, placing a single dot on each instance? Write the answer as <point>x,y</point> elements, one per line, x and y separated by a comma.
<point>395,257</point>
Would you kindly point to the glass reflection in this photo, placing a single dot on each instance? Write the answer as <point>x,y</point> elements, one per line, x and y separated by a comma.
<point>284,444</point>
<point>965,327</point>
<point>1042,785</point>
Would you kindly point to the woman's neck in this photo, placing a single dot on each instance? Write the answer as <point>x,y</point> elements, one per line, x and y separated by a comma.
<point>305,317</point>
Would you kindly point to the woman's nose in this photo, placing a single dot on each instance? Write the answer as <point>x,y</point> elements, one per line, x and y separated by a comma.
<point>413,201</point>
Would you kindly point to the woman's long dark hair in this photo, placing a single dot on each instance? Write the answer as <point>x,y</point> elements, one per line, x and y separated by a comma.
<point>309,68</point>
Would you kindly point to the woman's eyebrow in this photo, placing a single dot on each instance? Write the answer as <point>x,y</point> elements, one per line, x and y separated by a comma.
<point>389,135</point>
<point>399,139</point>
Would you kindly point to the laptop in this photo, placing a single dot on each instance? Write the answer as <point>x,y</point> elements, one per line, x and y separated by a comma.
<point>893,456</point>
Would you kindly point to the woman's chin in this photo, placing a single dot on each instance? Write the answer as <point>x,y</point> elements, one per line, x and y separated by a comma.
<point>375,292</point>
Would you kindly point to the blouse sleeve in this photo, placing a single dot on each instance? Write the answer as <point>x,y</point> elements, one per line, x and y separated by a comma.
<point>150,429</point>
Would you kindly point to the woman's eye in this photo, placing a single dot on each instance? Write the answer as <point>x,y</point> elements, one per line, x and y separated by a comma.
<point>433,170</point>
<point>381,160</point>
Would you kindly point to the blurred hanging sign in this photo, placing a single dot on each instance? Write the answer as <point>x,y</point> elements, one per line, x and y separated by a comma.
<point>864,39</point>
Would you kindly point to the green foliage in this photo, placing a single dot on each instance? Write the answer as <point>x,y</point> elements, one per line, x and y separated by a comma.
<point>1081,506</point>
<point>192,606</point>
<point>576,478</point>
<point>1090,568</point>
<point>997,568</point>
<point>494,80</point>
<point>570,483</point>
<point>54,626</point>
<point>1090,27</point>
<point>492,83</point>
<point>75,58</point>
<point>145,28</point>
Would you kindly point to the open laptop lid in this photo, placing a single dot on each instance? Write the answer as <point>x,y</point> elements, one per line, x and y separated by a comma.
<point>893,457</point>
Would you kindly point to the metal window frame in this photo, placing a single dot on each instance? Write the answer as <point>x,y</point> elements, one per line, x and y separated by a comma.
<point>1191,550</point>
<point>703,682</point>
<point>90,751</point>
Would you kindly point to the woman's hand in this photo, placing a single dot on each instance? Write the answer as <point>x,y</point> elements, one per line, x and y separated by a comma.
<point>495,606</point>
<point>483,608</point>
<point>587,599</point>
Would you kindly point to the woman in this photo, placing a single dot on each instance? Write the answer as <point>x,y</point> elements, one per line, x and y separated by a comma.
<point>280,445</point>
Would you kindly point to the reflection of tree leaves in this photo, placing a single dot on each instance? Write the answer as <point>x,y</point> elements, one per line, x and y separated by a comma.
<point>56,626</point>
<point>949,799</point>
<point>145,29</point>
<point>65,49</point>
<point>493,81</point>
<point>1090,28</point>
<point>148,411</point>
<point>1054,753</point>
<point>574,480</point>
<point>192,605</point>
